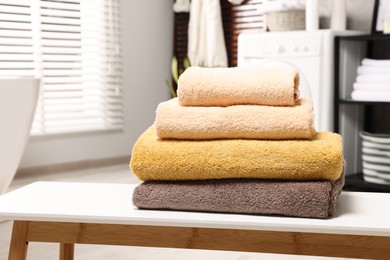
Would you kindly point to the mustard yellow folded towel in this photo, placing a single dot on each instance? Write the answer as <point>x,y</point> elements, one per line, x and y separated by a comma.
<point>239,121</point>
<point>277,86</point>
<point>172,159</point>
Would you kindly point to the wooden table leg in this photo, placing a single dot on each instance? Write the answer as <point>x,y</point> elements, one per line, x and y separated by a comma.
<point>66,251</point>
<point>18,247</point>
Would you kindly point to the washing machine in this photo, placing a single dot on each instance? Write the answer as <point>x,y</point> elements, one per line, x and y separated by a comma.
<point>311,53</point>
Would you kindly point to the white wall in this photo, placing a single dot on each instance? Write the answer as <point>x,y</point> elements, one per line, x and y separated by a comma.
<point>147,33</point>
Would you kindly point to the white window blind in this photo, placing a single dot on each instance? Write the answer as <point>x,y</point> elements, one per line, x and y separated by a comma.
<point>74,46</point>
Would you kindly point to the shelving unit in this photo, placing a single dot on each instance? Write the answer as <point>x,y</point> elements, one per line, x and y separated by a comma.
<point>350,116</point>
<point>355,182</point>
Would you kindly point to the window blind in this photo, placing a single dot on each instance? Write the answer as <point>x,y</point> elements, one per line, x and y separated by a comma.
<point>16,39</point>
<point>74,46</point>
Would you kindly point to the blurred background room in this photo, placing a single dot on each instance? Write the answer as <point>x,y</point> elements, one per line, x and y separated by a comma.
<point>81,80</point>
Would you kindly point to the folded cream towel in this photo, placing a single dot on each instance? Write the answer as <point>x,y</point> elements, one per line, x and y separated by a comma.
<point>374,62</point>
<point>238,86</point>
<point>367,95</point>
<point>239,121</point>
<point>170,159</point>
<point>371,86</point>
<point>311,199</point>
<point>383,78</point>
<point>373,70</point>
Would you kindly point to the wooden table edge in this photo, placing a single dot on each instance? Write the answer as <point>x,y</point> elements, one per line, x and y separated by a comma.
<point>300,243</point>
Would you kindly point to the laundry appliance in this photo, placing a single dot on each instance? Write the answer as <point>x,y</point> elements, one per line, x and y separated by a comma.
<point>311,53</point>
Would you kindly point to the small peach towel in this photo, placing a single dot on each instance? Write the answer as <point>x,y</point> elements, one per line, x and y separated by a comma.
<point>240,121</point>
<point>276,86</point>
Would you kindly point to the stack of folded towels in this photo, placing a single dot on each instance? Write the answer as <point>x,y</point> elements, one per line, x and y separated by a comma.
<point>238,140</point>
<point>372,81</point>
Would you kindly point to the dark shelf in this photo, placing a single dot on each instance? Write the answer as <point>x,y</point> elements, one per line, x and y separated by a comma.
<point>374,112</point>
<point>365,37</point>
<point>355,182</point>
<point>356,102</point>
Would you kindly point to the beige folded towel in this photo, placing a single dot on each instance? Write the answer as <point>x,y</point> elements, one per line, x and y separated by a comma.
<point>320,158</point>
<point>240,121</point>
<point>237,86</point>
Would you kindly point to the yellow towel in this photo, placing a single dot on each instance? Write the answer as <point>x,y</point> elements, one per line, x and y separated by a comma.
<point>171,159</point>
<point>240,121</point>
<point>274,86</point>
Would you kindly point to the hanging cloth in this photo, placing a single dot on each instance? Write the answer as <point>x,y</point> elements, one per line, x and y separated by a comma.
<point>206,42</point>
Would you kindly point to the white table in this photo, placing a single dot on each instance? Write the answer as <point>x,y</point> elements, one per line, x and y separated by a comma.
<point>92,213</point>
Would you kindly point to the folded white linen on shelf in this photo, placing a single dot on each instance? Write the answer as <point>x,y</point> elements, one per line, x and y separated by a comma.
<point>373,62</point>
<point>373,78</point>
<point>371,86</point>
<point>362,95</point>
<point>373,70</point>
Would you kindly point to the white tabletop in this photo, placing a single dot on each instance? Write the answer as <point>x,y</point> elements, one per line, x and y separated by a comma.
<point>357,212</point>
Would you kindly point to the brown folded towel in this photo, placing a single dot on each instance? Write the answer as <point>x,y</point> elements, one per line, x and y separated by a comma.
<point>277,86</point>
<point>311,199</point>
<point>241,121</point>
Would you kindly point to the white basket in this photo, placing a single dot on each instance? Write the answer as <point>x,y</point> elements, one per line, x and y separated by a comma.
<point>290,20</point>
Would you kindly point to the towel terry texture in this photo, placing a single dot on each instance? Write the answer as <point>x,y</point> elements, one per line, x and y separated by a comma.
<point>312,199</point>
<point>239,121</point>
<point>238,86</point>
<point>171,159</point>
